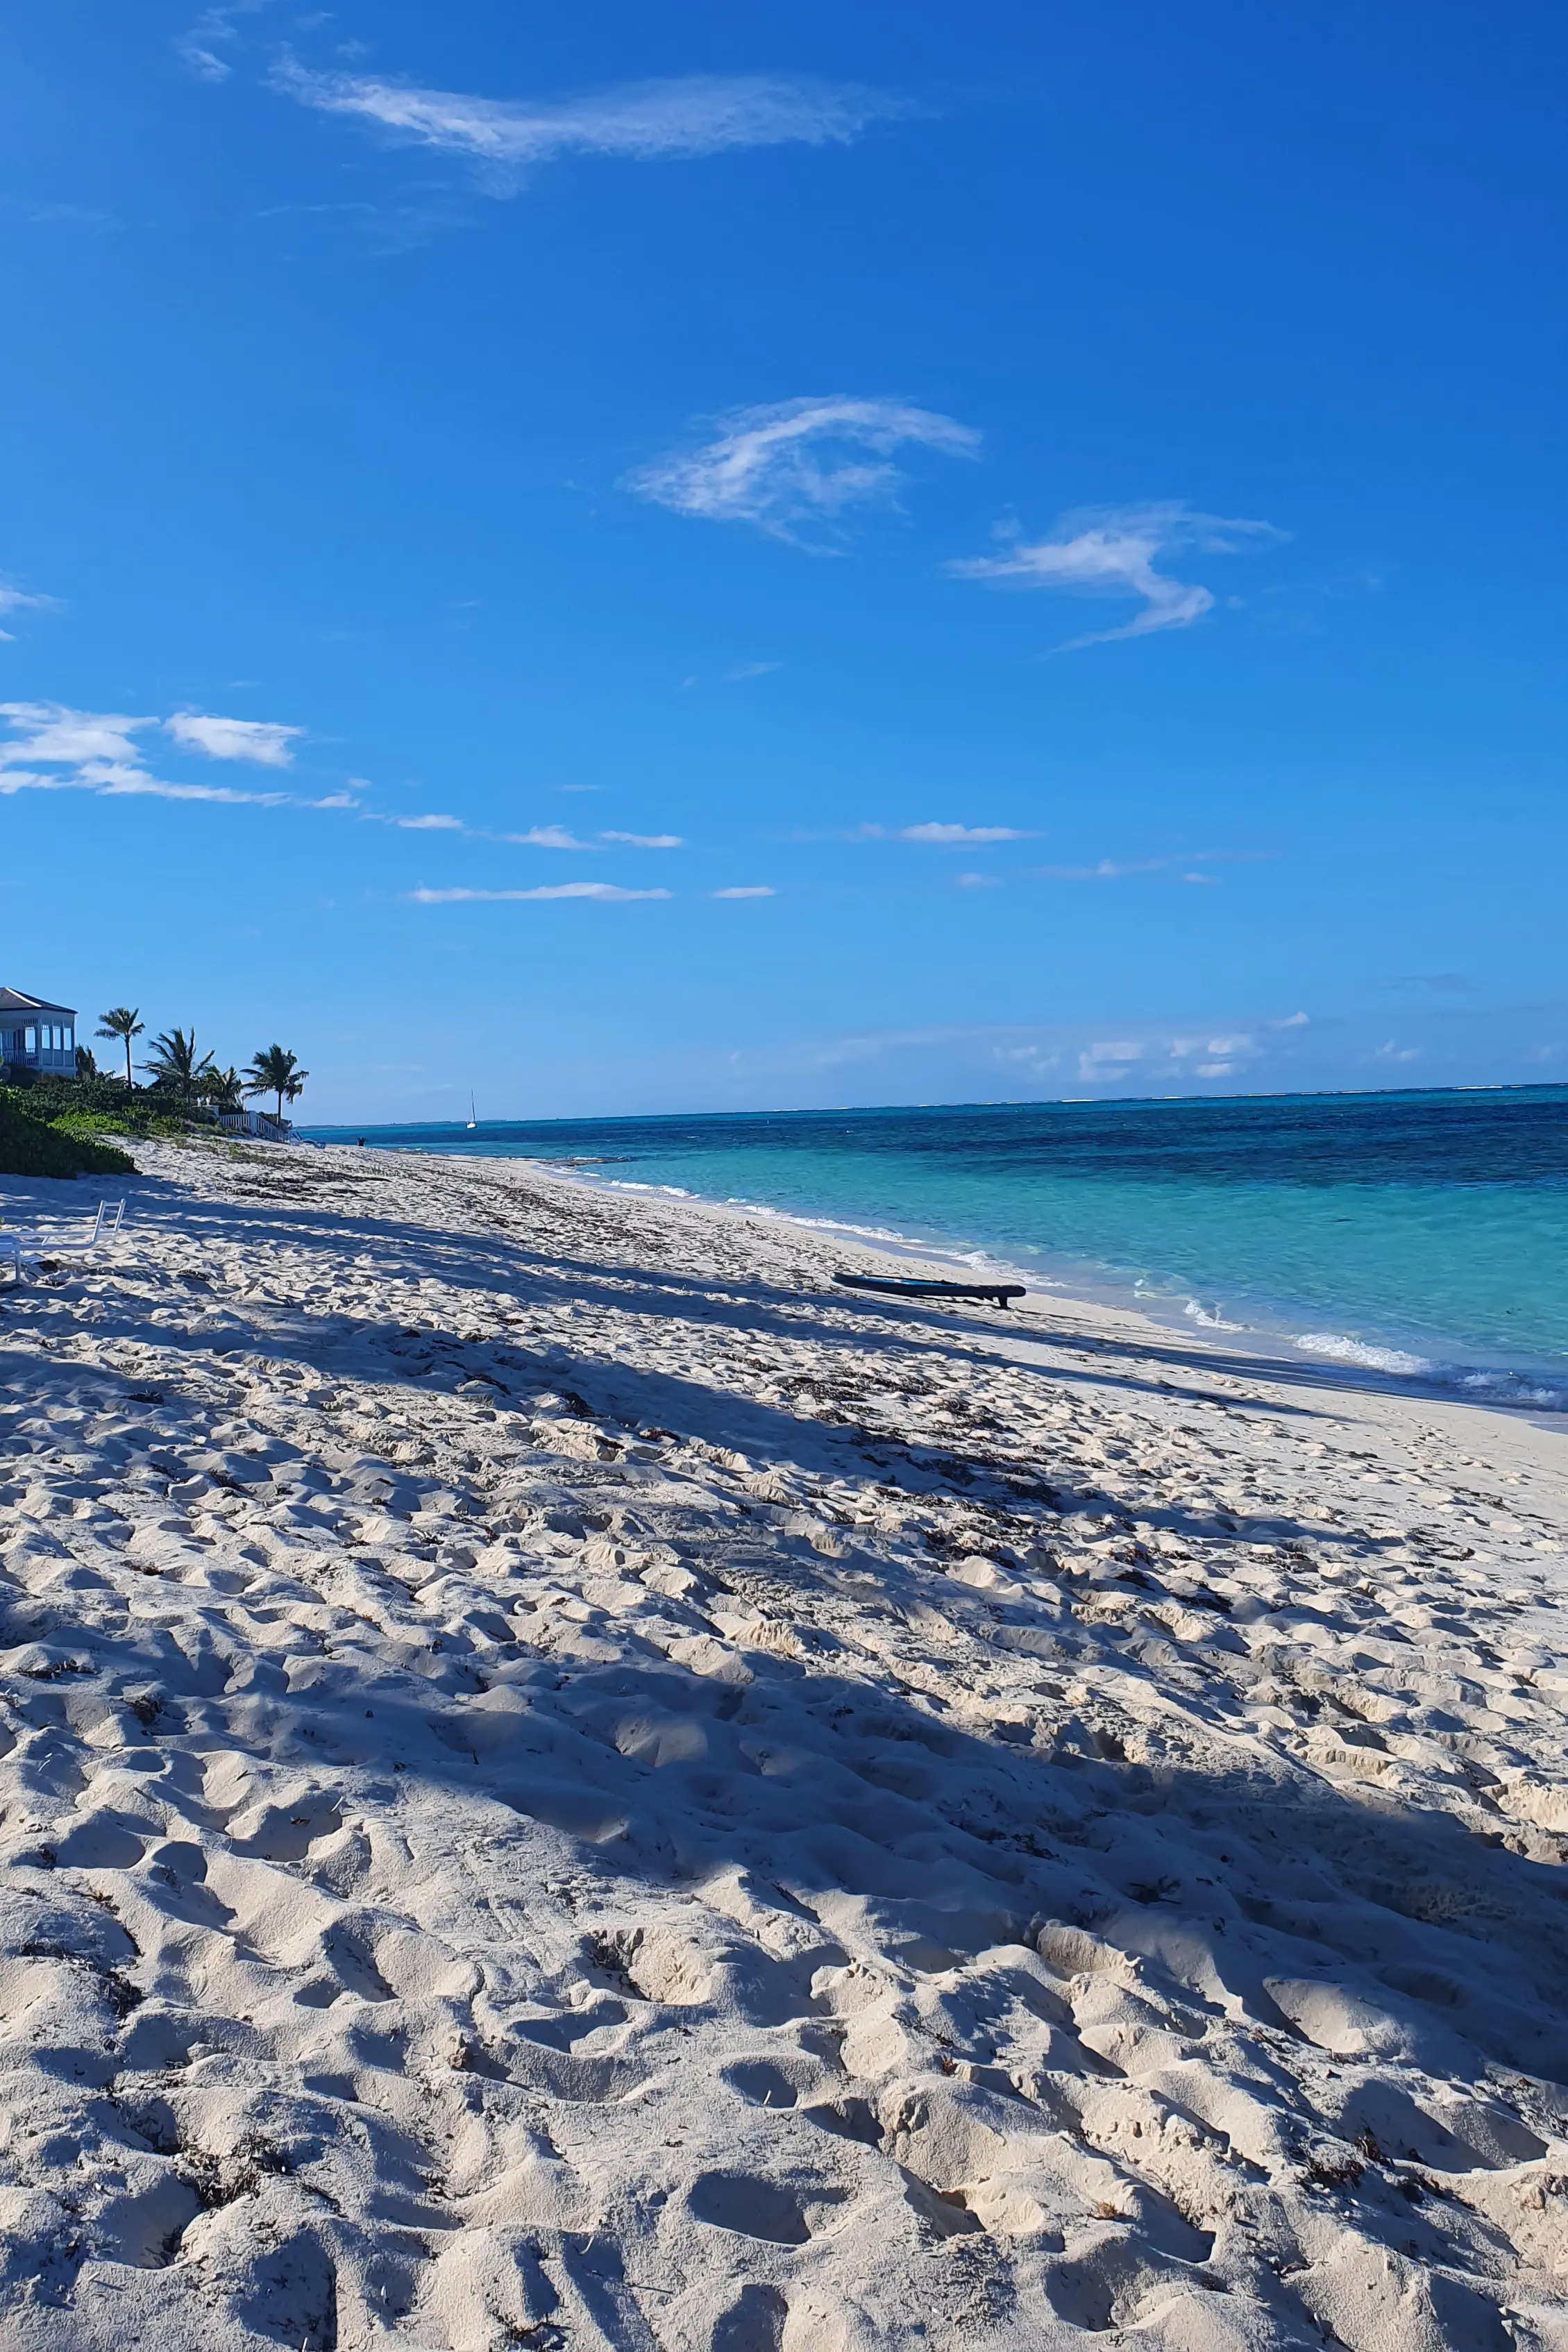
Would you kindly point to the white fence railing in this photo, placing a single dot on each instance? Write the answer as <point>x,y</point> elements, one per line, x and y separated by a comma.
<point>256,1122</point>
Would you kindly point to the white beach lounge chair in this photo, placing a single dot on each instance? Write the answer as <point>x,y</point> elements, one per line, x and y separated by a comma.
<point>18,1246</point>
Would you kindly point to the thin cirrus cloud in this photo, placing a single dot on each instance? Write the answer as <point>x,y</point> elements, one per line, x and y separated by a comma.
<point>201,49</point>
<point>606,892</point>
<point>260,739</point>
<point>538,836</point>
<point>547,837</point>
<point>18,600</point>
<point>799,463</point>
<point>953,836</point>
<point>640,122</point>
<point>1108,869</point>
<point>746,890</point>
<point>1116,551</point>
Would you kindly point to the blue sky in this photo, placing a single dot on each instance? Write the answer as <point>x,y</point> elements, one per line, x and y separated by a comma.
<point>700,558</point>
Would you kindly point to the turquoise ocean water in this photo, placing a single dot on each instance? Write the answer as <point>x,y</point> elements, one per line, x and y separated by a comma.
<point>1421,1237</point>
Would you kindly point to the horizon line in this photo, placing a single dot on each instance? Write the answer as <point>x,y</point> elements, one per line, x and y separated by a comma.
<point>1006,1102</point>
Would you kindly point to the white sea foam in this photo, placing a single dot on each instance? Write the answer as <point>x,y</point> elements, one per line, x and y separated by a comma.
<point>1510,1388</point>
<point>1486,1384</point>
<point>1344,1349</point>
<point>1209,1317</point>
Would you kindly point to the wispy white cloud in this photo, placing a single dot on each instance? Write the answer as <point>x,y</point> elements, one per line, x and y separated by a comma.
<point>262,740</point>
<point>549,836</point>
<point>55,749</point>
<point>1224,1055</point>
<point>18,600</point>
<point>205,64</point>
<point>201,47</point>
<point>789,465</point>
<point>58,735</point>
<point>642,123</point>
<point>746,890</point>
<point>111,780</point>
<point>1032,1061</point>
<point>1110,870</point>
<point>1106,870</point>
<point>536,837</point>
<point>751,669</point>
<point>1114,552</point>
<point>52,748</point>
<point>955,837</point>
<point>1160,1060</point>
<point>55,215</point>
<point>975,881</point>
<point>608,891</point>
<point>1109,1061</point>
<point>1151,1060</point>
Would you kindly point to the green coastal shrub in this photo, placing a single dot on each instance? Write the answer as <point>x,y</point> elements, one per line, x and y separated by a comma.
<point>100,1106</point>
<point>86,1122</point>
<point>89,1123</point>
<point>30,1147</point>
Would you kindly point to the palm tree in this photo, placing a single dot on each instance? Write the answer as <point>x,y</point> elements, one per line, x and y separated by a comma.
<point>222,1087</point>
<point>175,1063</point>
<point>275,1071</point>
<point>124,1023</point>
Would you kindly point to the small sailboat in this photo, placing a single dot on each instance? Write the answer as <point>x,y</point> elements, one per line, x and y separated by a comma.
<point>473,1121</point>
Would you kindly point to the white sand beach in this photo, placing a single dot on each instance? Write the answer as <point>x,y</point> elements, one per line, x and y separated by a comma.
<point>567,1785</point>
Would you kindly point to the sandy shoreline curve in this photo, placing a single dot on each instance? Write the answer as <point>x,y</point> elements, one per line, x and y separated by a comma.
<point>567,1784</point>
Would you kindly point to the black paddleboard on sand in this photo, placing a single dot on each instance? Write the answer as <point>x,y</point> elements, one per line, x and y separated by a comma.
<point>1000,1292</point>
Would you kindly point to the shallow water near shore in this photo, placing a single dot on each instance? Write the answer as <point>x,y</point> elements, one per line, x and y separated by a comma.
<point>1423,1236</point>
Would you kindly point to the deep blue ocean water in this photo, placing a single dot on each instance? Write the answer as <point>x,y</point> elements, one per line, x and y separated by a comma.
<point>1421,1235</point>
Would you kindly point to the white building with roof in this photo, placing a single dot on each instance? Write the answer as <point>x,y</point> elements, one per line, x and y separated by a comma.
<point>36,1036</point>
